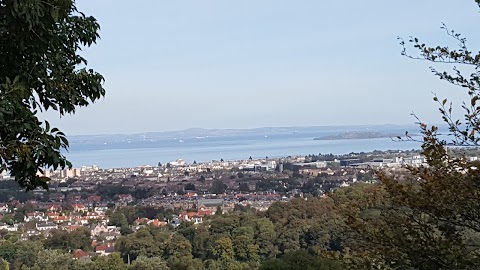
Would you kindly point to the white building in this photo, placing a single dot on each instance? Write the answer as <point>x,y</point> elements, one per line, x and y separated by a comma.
<point>46,226</point>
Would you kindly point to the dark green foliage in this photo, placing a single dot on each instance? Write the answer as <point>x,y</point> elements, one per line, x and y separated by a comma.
<point>69,241</point>
<point>244,187</point>
<point>53,260</point>
<point>311,224</point>
<point>218,187</point>
<point>112,262</point>
<point>11,190</point>
<point>152,263</point>
<point>302,260</point>
<point>110,191</point>
<point>40,70</point>
<point>129,212</point>
<point>185,263</point>
<point>428,218</point>
<point>26,253</point>
<point>149,242</point>
<point>150,212</point>
<point>199,242</point>
<point>118,219</point>
<point>190,186</point>
<point>7,250</point>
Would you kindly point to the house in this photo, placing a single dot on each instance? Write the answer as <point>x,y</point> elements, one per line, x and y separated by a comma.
<point>30,233</point>
<point>205,212</point>
<point>175,222</point>
<point>80,255</point>
<point>52,215</point>
<point>81,220</point>
<point>94,199</point>
<point>15,204</point>
<point>46,226</point>
<point>4,208</point>
<point>140,221</point>
<point>157,223</point>
<point>310,171</point>
<point>9,228</point>
<point>62,219</point>
<point>37,216</point>
<point>209,205</point>
<point>192,217</point>
<point>79,208</point>
<point>54,208</point>
<point>94,216</point>
<point>97,229</point>
<point>32,202</point>
<point>195,217</point>
<point>72,228</point>
<point>111,235</point>
<point>74,197</point>
<point>100,209</point>
<point>56,197</point>
<point>105,249</point>
<point>126,198</point>
<point>191,194</point>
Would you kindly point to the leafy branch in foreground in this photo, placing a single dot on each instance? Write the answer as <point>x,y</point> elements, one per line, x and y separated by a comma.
<point>464,131</point>
<point>40,70</point>
<point>429,218</point>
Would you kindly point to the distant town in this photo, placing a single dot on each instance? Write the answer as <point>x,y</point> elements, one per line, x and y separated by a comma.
<point>171,193</point>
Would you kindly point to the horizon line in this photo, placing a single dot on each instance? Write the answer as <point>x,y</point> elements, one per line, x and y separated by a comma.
<point>245,129</point>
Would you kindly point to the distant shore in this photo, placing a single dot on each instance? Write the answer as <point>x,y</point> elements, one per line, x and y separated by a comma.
<point>355,135</point>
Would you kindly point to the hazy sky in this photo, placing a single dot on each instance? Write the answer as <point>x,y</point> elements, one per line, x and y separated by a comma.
<point>251,63</point>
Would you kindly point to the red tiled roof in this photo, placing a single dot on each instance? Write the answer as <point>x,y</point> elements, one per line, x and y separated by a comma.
<point>204,212</point>
<point>62,218</point>
<point>80,254</point>
<point>74,227</point>
<point>142,220</point>
<point>101,248</point>
<point>158,223</point>
<point>94,198</point>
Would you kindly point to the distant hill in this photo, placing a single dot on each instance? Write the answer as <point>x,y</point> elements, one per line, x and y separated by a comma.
<point>199,132</point>
<point>355,135</point>
<point>199,135</point>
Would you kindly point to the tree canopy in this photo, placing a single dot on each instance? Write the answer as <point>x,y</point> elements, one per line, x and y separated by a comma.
<point>41,69</point>
<point>429,218</point>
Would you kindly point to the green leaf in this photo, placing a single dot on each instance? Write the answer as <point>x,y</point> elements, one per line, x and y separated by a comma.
<point>41,56</point>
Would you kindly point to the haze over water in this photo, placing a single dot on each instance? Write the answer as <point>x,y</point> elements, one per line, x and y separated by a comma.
<point>127,152</point>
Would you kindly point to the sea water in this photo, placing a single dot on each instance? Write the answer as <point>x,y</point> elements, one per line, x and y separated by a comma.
<point>127,153</point>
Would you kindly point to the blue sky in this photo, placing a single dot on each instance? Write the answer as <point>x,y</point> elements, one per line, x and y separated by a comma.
<point>173,65</point>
